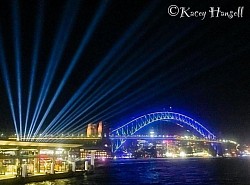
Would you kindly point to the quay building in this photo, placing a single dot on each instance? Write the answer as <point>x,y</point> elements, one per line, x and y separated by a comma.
<point>53,154</point>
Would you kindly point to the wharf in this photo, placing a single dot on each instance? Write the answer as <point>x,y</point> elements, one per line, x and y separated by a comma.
<point>12,180</point>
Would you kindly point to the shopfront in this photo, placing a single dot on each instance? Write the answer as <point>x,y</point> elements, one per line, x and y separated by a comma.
<point>35,158</point>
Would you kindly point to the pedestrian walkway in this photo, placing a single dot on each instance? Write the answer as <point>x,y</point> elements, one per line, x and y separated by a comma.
<point>10,179</point>
<point>9,175</point>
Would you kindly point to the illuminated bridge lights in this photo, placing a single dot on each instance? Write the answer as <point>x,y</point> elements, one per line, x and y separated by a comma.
<point>166,137</point>
<point>122,133</point>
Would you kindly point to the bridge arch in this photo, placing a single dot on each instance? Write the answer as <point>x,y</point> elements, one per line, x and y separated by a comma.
<point>135,125</point>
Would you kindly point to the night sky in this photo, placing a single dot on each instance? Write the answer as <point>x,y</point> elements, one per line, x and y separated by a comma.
<point>136,59</point>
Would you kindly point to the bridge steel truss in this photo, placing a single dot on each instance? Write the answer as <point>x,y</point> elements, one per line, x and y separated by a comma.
<point>118,136</point>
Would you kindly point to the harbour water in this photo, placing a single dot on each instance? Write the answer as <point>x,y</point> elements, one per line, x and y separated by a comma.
<point>191,171</point>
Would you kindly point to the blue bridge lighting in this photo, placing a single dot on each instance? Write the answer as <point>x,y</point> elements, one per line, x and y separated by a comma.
<point>129,129</point>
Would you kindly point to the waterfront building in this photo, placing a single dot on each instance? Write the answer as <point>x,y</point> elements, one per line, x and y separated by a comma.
<point>35,157</point>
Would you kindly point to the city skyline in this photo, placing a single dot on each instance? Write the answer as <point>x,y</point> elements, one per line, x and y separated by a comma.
<point>119,60</point>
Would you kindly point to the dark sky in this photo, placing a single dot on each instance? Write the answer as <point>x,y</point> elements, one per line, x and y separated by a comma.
<point>136,59</point>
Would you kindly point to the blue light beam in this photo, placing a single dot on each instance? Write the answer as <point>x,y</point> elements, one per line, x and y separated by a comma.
<point>16,36</point>
<point>132,29</point>
<point>37,39</point>
<point>81,48</point>
<point>7,84</point>
<point>59,46</point>
<point>103,85</point>
<point>146,60</point>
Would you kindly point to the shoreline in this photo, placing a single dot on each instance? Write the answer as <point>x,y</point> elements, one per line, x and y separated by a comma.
<point>40,178</point>
<point>45,177</point>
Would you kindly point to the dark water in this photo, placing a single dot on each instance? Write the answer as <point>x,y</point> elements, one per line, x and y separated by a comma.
<point>211,171</point>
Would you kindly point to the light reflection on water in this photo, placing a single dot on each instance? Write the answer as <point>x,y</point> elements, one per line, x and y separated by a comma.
<point>211,171</point>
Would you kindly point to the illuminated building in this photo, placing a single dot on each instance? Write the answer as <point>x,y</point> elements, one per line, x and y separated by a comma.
<point>89,130</point>
<point>99,129</point>
<point>95,130</point>
<point>99,154</point>
<point>36,157</point>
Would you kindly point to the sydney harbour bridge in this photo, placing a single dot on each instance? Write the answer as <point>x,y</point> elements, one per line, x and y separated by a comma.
<point>118,136</point>
<point>124,132</point>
